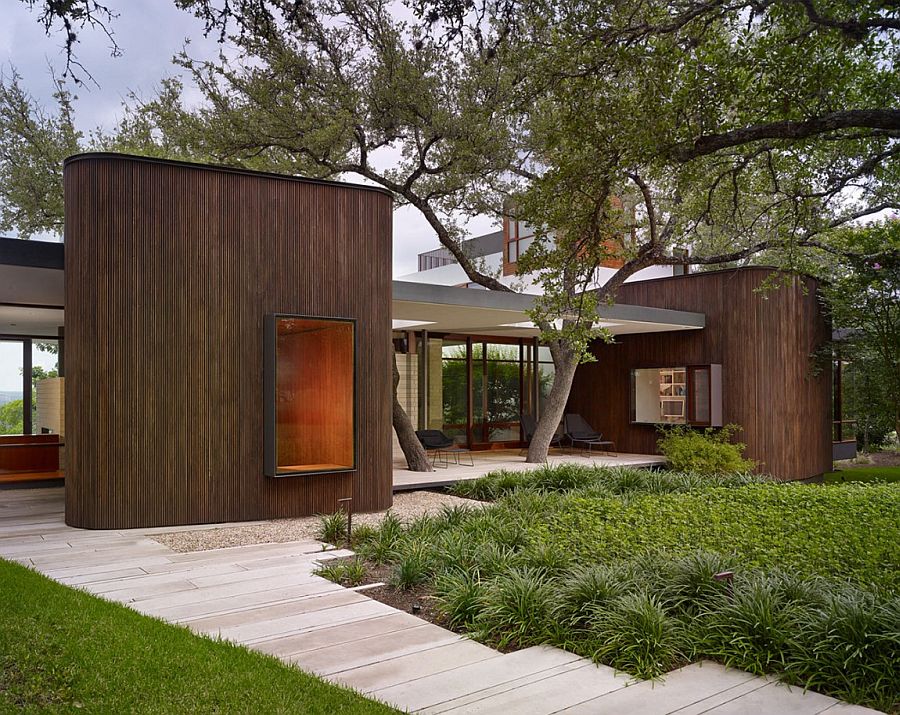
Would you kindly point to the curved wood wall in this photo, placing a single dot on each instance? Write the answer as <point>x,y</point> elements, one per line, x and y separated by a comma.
<point>170,270</point>
<point>764,342</point>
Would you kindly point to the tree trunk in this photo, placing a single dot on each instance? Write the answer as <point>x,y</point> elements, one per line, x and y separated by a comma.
<point>565,362</point>
<point>416,459</point>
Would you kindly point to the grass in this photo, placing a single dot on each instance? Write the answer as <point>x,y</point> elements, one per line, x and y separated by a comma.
<point>625,566</point>
<point>63,650</point>
<point>864,474</point>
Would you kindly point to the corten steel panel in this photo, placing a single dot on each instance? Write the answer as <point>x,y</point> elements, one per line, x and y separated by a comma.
<point>171,269</point>
<point>764,341</point>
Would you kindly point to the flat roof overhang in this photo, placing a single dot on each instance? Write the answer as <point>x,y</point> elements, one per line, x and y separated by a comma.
<point>32,288</point>
<point>32,294</point>
<point>448,309</point>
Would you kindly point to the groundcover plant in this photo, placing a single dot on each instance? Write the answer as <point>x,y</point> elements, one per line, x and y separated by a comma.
<point>646,571</point>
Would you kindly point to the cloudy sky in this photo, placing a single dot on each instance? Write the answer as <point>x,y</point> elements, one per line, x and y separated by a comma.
<point>149,33</point>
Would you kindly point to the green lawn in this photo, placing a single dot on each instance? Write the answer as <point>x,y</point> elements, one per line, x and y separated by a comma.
<point>62,650</point>
<point>864,474</point>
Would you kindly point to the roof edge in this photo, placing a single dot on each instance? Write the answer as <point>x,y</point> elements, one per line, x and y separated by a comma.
<point>83,156</point>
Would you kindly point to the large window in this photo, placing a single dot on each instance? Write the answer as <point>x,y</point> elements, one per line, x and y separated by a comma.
<point>310,395</point>
<point>677,395</point>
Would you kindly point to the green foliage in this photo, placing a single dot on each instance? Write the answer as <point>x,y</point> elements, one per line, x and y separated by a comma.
<point>864,474</point>
<point>333,527</point>
<point>518,605</point>
<point>413,566</point>
<point>619,565</point>
<point>12,419</point>
<point>596,481</point>
<point>460,598</point>
<point>382,544</point>
<point>347,572</point>
<point>848,531</point>
<point>636,635</point>
<point>708,452</point>
<point>752,629</point>
<point>849,646</point>
<point>62,650</point>
<point>863,297</point>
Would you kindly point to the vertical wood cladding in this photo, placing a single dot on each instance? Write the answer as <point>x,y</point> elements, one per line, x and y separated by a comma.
<point>170,271</point>
<point>764,341</point>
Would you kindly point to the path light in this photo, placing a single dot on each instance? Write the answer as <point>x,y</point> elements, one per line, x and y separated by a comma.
<point>728,578</point>
<point>347,505</point>
<point>416,608</point>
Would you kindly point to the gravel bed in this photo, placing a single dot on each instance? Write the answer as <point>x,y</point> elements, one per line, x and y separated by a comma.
<point>407,506</point>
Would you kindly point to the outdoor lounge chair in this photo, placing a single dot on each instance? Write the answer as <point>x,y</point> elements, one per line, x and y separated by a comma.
<point>441,446</point>
<point>529,426</point>
<point>579,432</point>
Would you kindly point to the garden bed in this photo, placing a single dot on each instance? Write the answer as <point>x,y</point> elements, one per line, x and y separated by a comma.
<point>646,571</point>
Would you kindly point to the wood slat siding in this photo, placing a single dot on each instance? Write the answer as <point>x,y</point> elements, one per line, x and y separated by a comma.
<point>764,341</point>
<point>170,270</point>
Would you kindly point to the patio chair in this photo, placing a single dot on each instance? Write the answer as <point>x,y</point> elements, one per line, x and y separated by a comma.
<point>441,446</point>
<point>529,426</point>
<point>579,432</point>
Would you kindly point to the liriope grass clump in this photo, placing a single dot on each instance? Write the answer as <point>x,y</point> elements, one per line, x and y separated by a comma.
<point>347,572</point>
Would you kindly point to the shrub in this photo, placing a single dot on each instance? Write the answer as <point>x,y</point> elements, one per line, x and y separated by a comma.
<point>586,590</point>
<point>708,452</point>
<point>414,566</point>
<point>459,598</point>
<point>752,629</point>
<point>345,572</point>
<point>690,582</point>
<point>518,606</point>
<point>636,635</point>
<point>851,648</point>
<point>384,542</point>
<point>333,527</point>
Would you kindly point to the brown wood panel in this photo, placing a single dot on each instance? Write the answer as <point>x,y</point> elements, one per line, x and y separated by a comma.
<point>29,453</point>
<point>170,271</point>
<point>763,339</point>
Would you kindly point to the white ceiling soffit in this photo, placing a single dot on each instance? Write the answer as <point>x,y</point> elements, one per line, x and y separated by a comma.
<point>30,321</point>
<point>462,310</point>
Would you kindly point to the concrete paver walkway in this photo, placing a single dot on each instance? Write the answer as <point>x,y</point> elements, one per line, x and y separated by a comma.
<point>266,597</point>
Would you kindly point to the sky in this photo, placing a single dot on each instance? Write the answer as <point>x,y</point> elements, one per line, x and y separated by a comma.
<point>149,33</point>
<point>11,364</point>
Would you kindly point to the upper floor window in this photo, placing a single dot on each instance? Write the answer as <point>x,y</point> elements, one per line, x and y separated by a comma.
<point>519,236</point>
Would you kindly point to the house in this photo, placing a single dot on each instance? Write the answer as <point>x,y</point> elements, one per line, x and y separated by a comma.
<point>228,336</point>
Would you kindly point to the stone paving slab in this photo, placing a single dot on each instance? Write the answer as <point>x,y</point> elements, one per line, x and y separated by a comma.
<point>582,682</point>
<point>374,649</point>
<point>241,602</point>
<point>681,688</point>
<point>406,668</point>
<point>288,646</point>
<point>450,685</point>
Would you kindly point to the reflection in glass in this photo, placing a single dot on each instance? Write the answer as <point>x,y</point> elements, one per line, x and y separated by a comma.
<point>659,395</point>
<point>314,395</point>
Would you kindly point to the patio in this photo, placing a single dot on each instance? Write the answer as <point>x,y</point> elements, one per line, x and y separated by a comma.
<point>511,460</point>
